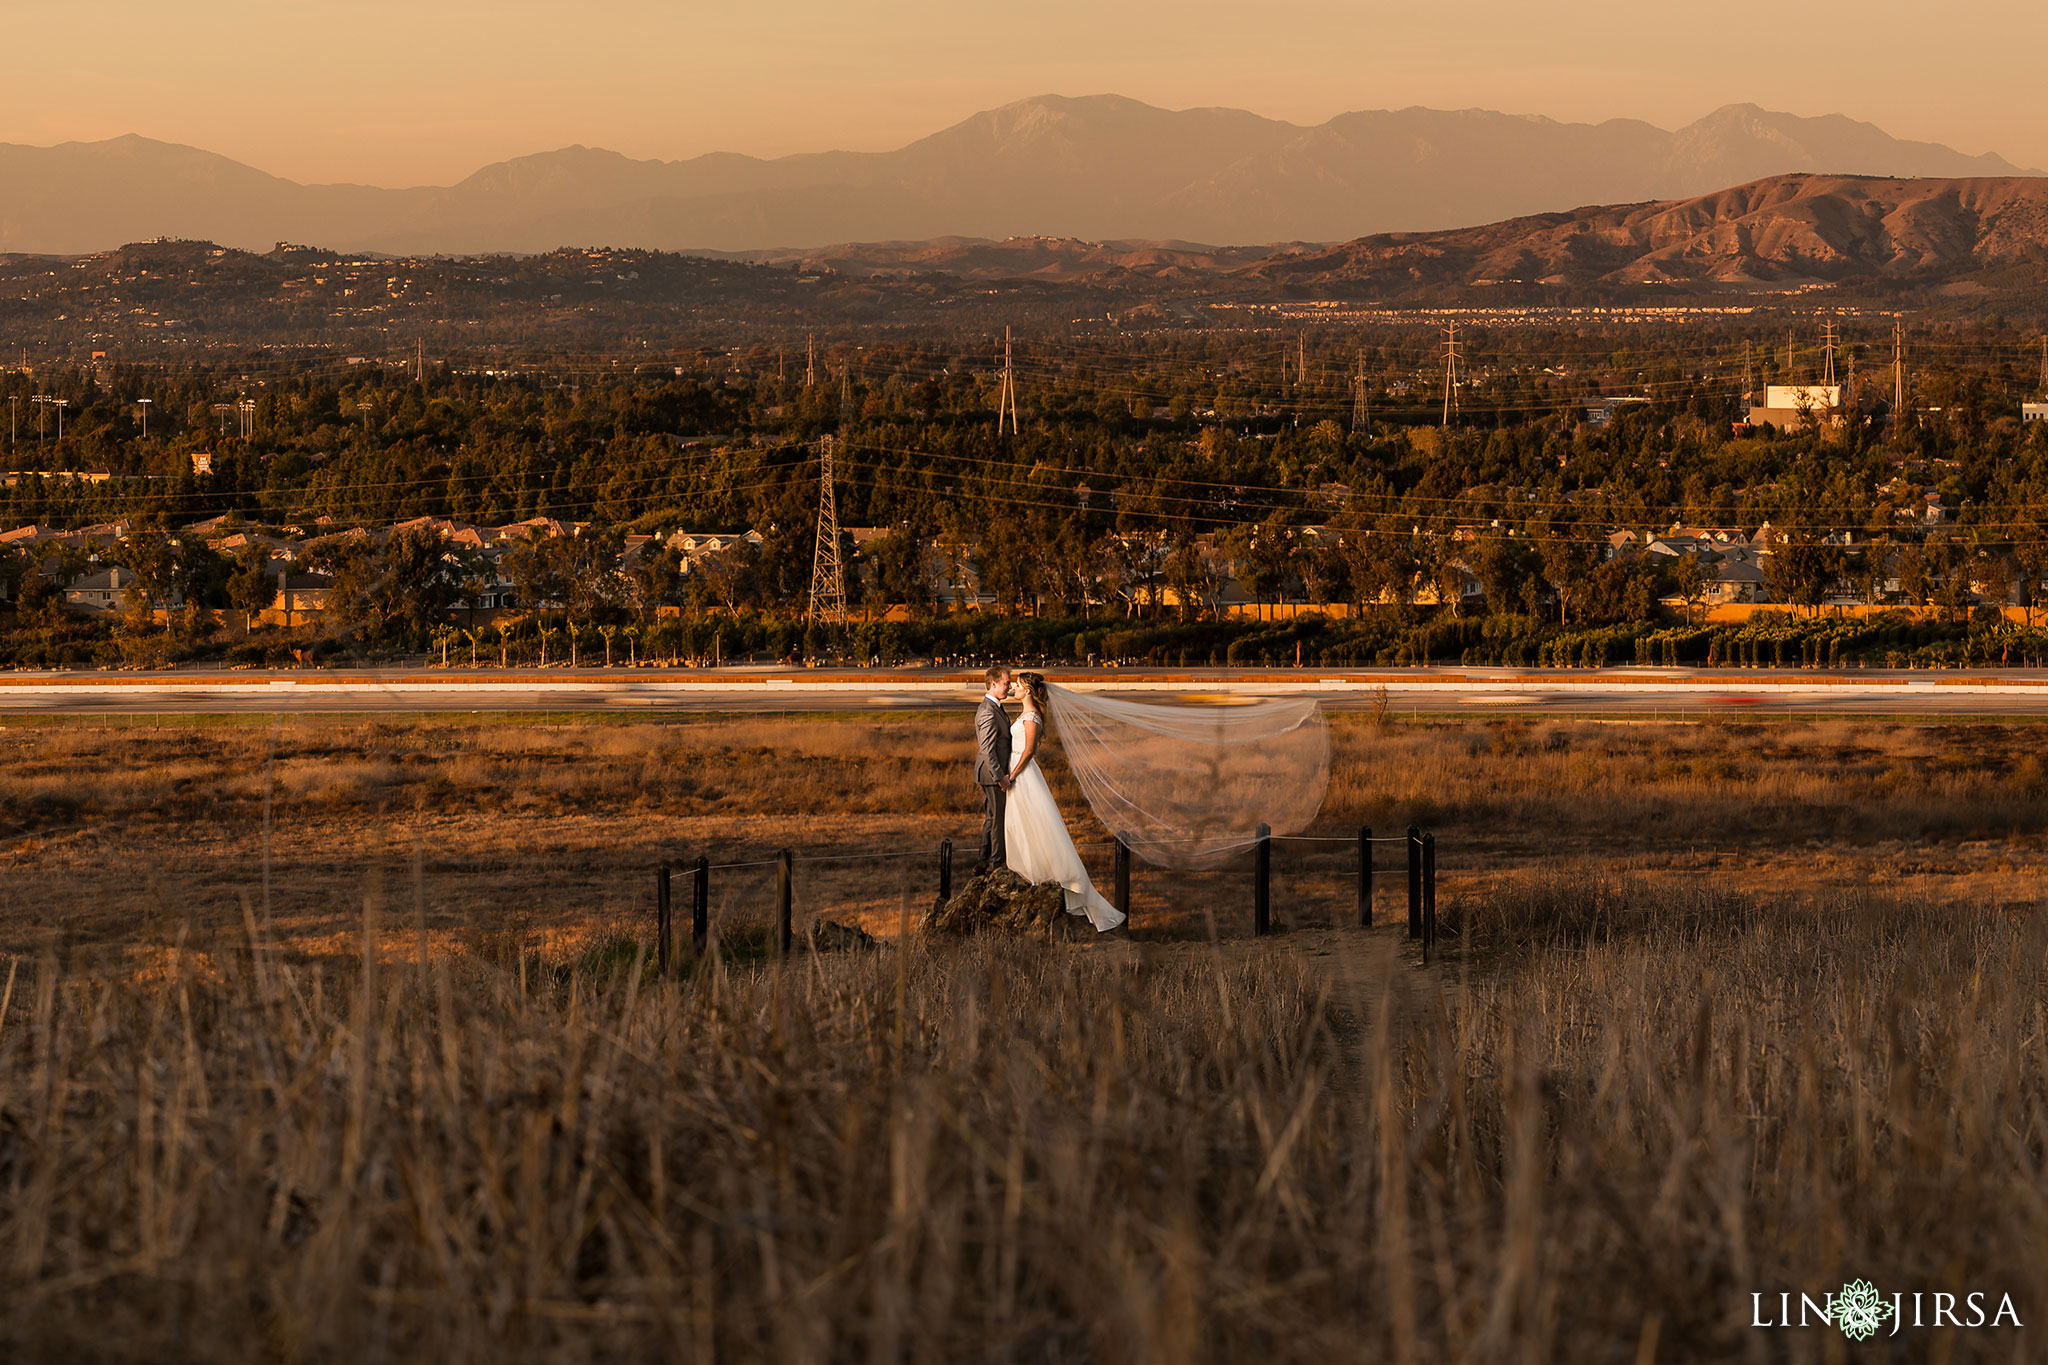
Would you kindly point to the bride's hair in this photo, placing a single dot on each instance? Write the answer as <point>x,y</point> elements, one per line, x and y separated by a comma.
<point>1034,691</point>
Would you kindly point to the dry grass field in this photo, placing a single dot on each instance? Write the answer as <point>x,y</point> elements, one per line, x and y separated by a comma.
<point>113,836</point>
<point>1725,1010</point>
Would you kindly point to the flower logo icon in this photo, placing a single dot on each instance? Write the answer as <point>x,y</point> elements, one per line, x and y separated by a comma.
<point>1859,1311</point>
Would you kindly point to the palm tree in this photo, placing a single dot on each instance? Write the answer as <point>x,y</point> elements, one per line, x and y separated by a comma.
<point>547,633</point>
<point>609,633</point>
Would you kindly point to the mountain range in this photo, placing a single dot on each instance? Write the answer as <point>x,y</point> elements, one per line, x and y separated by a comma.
<point>1094,168</point>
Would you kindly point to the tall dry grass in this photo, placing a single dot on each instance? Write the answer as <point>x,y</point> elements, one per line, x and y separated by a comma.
<point>1591,1140</point>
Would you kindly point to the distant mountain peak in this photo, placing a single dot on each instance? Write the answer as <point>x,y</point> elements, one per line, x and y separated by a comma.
<point>1098,168</point>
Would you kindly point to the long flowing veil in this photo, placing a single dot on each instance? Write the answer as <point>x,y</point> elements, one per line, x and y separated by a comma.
<point>1188,786</point>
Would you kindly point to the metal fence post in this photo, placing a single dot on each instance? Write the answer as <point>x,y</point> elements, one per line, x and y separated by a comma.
<point>700,906</point>
<point>945,870</point>
<point>662,920</point>
<point>1365,876</point>
<point>1123,878</point>
<point>1262,882</point>
<point>1414,882</point>
<point>785,876</point>
<point>1428,896</point>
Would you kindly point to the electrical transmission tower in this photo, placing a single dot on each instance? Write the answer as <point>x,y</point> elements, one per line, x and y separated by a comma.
<point>828,578</point>
<point>1827,342</point>
<point>1898,373</point>
<point>1361,415</point>
<point>1006,401</point>
<point>810,361</point>
<point>1451,354</point>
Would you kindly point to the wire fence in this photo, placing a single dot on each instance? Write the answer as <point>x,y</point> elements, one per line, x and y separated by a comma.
<point>903,892</point>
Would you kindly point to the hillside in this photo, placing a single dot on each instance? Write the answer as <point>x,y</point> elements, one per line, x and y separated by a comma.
<point>1779,233</point>
<point>1955,243</point>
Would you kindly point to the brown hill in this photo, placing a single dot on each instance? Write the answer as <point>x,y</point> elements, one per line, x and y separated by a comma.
<point>1781,232</point>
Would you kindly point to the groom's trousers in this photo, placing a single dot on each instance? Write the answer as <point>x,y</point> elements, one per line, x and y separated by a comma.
<point>993,853</point>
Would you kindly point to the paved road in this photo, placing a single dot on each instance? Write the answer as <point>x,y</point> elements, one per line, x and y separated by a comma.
<point>1648,692</point>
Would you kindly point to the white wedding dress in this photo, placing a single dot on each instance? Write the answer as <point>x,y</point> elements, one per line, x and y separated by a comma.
<point>1039,847</point>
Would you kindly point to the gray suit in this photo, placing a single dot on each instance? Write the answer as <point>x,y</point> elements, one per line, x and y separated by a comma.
<point>992,739</point>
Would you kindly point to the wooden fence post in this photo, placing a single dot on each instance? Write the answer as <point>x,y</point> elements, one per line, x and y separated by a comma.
<point>1262,883</point>
<point>1428,896</point>
<point>1365,876</point>
<point>1123,878</point>
<point>1414,882</point>
<point>662,920</point>
<point>945,870</point>
<point>700,906</point>
<point>785,876</point>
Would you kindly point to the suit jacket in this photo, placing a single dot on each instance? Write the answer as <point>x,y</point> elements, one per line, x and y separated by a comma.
<point>992,737</point>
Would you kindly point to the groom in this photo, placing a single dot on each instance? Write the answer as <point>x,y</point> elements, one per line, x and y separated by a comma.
<point>992,769</point>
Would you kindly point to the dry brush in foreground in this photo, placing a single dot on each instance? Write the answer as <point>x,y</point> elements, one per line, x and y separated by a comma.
<point>1614,1123</point>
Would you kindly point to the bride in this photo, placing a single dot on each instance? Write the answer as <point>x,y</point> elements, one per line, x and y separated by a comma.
<point>1040,849</point>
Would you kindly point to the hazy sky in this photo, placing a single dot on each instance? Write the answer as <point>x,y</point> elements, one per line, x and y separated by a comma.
<point>425,91</point>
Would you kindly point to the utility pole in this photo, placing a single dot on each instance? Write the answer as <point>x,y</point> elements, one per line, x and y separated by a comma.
<point>1006,401</point>
<point>144,403</point>
<point>1361,416</point>
<point>1827,341</point>
<point>13,417</point>
<point>1301,360</point>
<point>246,407</point>
<point>1898,374</point>
<point>1451,344</point>
<point>419,360</point>
<point>828,579</point>
<point>42,403</point>
<point>60,404</point>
